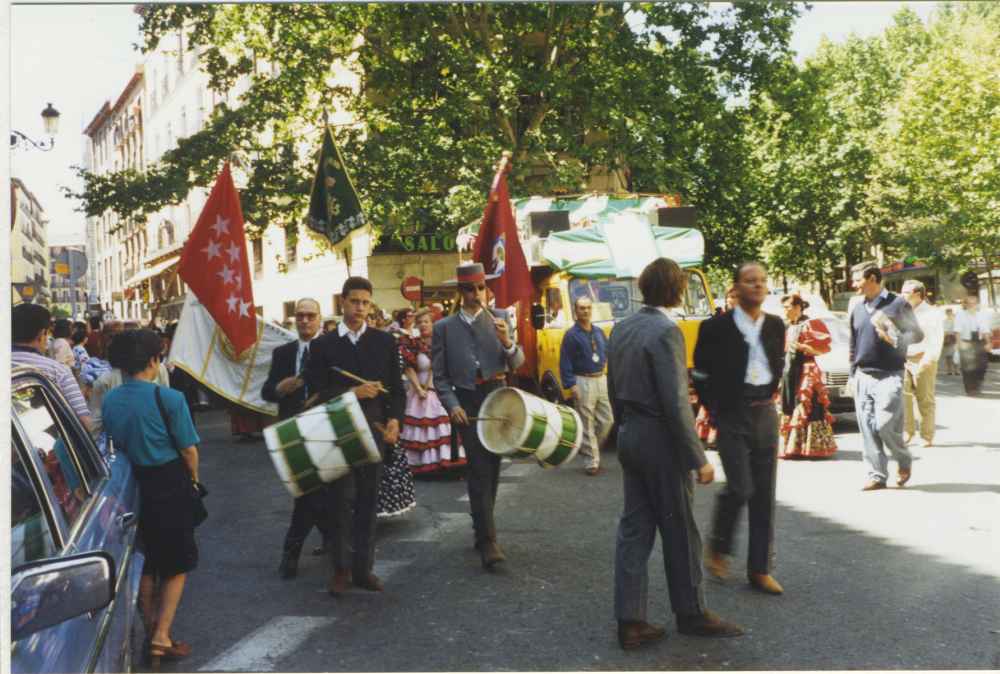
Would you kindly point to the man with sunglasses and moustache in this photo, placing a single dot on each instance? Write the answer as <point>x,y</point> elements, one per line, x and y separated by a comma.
<point>471,352</point>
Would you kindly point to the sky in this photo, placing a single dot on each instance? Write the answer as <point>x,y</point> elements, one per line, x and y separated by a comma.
<point>79,56</point>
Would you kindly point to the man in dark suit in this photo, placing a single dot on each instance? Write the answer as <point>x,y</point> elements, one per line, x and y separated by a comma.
<point>658,448</point>
<point>285,385</point>
<point>471,352</point>
<point>738,362</point>
<point>371,355</point>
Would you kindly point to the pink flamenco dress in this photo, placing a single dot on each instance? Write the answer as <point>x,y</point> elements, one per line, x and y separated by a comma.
<point>426,436</point>
<point>806,423</point>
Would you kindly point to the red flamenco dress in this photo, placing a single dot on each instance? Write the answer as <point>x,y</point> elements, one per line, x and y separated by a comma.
<point>426,435</point>
<point>806,422</point>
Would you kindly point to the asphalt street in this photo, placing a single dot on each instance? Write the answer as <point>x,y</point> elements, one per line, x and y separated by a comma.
<point>898,579</point>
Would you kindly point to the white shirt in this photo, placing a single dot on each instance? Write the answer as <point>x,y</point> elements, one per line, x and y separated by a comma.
<point>929,320</point>
<point>758,368</point>
<point>870,304</point>
<point>966,323</point>
<point>342,330</point>
<point>471,318</point>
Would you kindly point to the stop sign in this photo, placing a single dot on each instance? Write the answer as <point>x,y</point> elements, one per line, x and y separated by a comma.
<point>412,288</point>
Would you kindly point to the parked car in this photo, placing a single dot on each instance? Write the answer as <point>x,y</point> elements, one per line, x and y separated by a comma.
<point>74,564</point>
<point>836,365</point>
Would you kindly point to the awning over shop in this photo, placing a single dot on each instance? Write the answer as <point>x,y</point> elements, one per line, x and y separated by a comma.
<point>152,271</point>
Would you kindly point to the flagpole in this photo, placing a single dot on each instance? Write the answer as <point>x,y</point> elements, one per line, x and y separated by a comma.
<point>504,165</point>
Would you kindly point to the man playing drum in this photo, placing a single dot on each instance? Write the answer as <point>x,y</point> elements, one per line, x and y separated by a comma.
<point>471,352</point>
<point>285,385</point>
<point>371,355</point>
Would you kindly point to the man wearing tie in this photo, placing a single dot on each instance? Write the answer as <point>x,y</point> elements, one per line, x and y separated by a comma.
<point>286,386</point>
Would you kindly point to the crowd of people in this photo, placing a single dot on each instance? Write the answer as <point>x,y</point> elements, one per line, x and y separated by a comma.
<point>422,378</point>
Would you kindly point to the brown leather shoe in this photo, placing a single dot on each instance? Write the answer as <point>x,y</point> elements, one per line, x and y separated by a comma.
<point>708,624</point>
<point>904,477</point>
<point>339,582</point>
<point>593,470</point>
<point>491,554</point>
<point>634,634</point>
<point>370,582</point>
<point>716,564</point>
<point>873,485</point>
<point>765,582</point>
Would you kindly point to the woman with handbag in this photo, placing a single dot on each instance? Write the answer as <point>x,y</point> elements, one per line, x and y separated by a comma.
<point>151,425</point>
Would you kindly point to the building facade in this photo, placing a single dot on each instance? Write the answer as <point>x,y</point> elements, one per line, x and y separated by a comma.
<point>29,249</point>
<point>68,279</point>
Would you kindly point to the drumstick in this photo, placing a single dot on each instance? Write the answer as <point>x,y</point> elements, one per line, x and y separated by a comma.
<point>487,418</point>
<point>358,379</point>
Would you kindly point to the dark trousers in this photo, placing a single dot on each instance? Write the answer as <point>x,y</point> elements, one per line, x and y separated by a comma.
<point>658,496</point>
<point>483,474</point>
<point>352,505</point>
<point>748,447</point>
<point>974,362</point>
<point>309,511</point>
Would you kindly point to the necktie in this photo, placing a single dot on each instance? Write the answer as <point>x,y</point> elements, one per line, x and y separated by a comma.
<point>303,360</point>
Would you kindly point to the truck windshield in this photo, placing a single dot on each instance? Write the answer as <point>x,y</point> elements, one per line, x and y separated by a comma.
<point>623,298</point>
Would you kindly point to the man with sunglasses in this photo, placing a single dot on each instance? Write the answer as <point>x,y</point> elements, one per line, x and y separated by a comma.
<point>286,385</point>
<point>471,352</point>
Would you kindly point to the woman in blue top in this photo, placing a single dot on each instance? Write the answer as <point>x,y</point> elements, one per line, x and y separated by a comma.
<point>164,471</point>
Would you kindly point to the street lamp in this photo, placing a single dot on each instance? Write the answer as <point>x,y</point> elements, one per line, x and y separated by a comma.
<point>50,122</point>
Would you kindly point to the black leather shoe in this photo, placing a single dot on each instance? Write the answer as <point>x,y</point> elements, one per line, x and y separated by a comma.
<point>708,624</point>
<point>289,567</point>
<point>634,634</point>
<point>491,554</point>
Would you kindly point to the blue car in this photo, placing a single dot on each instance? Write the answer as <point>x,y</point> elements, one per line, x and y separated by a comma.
<point>75,568</point>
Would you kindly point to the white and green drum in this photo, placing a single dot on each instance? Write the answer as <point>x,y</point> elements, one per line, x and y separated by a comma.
<point>321,444</point>
<point>517,424</point>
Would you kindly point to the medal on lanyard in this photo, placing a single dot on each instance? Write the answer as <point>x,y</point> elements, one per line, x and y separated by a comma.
<point>593,348</point>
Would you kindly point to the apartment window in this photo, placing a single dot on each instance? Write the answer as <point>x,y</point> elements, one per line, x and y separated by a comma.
<point>289,309</point>
<point>258,255</point>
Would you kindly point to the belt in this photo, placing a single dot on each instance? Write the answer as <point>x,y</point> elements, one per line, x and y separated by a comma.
<point>589,374</point>
<point>500,377</point>
<point>758,402</point>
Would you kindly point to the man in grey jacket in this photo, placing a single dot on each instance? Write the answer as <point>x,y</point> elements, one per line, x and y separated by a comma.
<point>659,450</point>
<point>471,352</point>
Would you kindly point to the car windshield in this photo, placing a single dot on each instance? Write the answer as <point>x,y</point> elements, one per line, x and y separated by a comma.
<point>622,297</point>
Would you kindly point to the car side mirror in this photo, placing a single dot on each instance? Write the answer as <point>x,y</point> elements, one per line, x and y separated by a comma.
<point>47,593</point>
<point>537,316</point>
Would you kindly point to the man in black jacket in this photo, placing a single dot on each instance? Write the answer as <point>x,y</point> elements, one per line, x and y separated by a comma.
<point>738,363</point>
<point>371,355</point>
<point>285,385</point>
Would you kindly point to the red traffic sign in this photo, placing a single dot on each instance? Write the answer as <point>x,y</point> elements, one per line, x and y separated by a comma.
<point>412,288</point>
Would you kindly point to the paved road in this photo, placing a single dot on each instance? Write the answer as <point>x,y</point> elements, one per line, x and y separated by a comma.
<point>903,578</point>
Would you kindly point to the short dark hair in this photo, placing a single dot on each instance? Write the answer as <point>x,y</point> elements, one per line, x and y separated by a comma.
<point>872,272</point>
<point>796,300</point>
<point>738,272</point>
<point>132,350</point>
<point>62,328</point>
<point>79,336</point>
<point>356,283</point>
<point>662,283</point>
<point>79,325</point>
<point>27,320</point>
<point>95,322</point>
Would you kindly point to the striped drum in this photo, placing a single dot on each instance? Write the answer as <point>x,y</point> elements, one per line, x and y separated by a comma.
<point>321,444</point>
<point>519,424</point>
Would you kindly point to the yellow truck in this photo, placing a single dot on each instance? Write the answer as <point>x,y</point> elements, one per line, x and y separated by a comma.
<point>596,245</point>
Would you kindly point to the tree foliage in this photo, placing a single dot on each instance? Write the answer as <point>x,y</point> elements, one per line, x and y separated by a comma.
<point>639,91</point>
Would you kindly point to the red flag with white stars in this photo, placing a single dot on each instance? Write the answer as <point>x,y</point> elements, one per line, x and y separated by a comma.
<point>214,264</point>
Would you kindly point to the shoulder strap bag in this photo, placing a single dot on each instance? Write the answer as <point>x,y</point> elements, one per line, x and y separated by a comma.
<point>198,492</point>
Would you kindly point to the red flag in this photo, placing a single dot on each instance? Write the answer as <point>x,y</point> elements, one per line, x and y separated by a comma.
<point>214,264</point>
<point>499,249</point>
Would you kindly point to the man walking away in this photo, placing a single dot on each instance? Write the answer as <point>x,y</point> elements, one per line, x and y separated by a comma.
<point>882,326</point>
<point>920,375</point>
<point>973,327</point>
<point>659,450</point>
<point>581,369</point>
<point>738,363</point>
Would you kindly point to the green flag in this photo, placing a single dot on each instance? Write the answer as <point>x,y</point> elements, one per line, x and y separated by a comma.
<point>334,207</point>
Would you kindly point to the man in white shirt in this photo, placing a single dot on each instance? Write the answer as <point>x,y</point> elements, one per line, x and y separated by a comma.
<point>920,374</point>
<point>974,327</point>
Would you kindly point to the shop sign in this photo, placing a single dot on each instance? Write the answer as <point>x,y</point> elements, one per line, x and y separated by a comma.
<point>418,243</point>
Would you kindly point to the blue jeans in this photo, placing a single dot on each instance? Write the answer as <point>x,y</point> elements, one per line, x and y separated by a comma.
<point>878,402</point>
